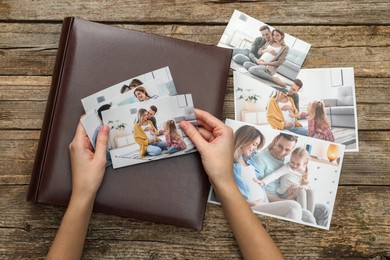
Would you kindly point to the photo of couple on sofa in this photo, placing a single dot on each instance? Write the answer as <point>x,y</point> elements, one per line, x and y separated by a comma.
<point>269,58</point>
<point>272,183</point>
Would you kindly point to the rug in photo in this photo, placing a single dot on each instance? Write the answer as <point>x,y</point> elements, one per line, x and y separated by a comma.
<point>149,130</point>
<point>285,176</point>
<point>267,54</point>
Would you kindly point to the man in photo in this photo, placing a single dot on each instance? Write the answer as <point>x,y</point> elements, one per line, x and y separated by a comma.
<point>151,116</point>
<point>274,157</point>
<point>293,92</point>
<point>243,55</point>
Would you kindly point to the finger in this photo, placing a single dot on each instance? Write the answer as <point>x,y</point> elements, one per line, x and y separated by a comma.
<point>204,125</point>
<point>193,134</point>
<point>101,142</point>
<point>206,134</point>
<point>80,132</point>
<point>207,118</point>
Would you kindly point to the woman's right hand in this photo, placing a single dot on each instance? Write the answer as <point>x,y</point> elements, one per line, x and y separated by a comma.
<point>214,141</point>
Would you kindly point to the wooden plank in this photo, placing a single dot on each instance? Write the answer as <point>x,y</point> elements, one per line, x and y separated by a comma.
<point>367,61</point>
<point>364,47</point>
<point>30,35</point>
<point>360,228</point>
<point>196,11</point>
<point>26,114</point>
<point>368,167</point>
<point>14,88</point>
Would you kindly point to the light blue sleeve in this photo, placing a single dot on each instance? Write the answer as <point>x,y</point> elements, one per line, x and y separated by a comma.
<point>243,188</point>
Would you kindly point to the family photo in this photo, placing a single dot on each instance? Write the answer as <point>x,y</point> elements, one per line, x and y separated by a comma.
<point>149,130</point>
<point>151,85</point>
<point>320,104</point>
<point>265,53</point>
<point>284,175</point>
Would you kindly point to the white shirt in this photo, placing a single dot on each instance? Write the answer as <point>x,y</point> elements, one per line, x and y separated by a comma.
<point>287,177</point>
<point>286,113</point>
<point>267,56</point>
<point>255,190</point>
<point>149,133</point>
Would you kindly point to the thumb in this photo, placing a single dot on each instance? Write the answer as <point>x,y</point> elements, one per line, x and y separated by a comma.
<point>101,142</point>
<point>193,134</point>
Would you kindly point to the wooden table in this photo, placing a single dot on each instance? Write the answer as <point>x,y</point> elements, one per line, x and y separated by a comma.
<point>342,33</point>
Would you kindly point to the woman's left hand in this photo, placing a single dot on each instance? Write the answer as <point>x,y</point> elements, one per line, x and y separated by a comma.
<point>88,166</point>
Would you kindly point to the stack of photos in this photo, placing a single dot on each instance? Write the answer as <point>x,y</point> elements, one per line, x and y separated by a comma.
<point>285,175</point>
<point>143,114</point>
<point>292,126</point>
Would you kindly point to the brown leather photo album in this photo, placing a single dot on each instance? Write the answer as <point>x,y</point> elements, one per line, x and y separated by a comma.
<point>93,56</point>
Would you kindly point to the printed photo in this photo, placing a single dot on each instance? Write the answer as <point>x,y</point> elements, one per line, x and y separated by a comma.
<point>267,54</point>
<point>321,104</point>
<point>285,176</point>
<point>149,130</point>
<point>151,85</point>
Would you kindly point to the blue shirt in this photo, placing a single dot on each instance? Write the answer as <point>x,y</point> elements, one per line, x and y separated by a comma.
<point>241,184</point>
<point>267,164</point>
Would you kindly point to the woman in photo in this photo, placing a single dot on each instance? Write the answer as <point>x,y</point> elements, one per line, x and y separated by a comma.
<point>272,56</point>
<point>145,135</point>
<point>132,85</point>
<point>173,138</point>
<point>282,114</point>
<point>294,180</point>
<point>247,140</point>
<point>142,95</point>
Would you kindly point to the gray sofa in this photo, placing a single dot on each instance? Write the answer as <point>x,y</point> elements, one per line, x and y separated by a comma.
<point>340,111</point>
<point>292,65</point>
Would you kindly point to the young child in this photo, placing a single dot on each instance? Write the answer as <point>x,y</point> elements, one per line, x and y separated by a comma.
<point>293,180</point>
<point>173,139</point>
<point>318,124</point>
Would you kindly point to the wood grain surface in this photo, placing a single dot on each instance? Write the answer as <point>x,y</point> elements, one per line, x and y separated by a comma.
<point>342,33</point>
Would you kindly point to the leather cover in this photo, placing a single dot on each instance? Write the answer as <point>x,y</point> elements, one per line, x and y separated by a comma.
<point>93,56</point>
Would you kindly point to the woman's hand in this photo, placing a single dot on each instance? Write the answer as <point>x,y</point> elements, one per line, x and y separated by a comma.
<point>273,52</point>
<point>88,169</point>
<point>88,166</point>
<point>286,108</point>
<point>261,183</point>
<point>260,62</point>
<point>214,141</point>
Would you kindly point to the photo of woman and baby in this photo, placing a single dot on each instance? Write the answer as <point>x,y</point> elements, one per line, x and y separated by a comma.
<point>278,176</point>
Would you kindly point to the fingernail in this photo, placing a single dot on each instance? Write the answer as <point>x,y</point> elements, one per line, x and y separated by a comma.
<point>183,124</point>
<point>105,129</point>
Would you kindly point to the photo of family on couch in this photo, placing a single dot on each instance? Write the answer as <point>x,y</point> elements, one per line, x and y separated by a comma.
<point>149,130</point>
<point>320,104</point>
<point>265,53</point>
<point>285,175</point>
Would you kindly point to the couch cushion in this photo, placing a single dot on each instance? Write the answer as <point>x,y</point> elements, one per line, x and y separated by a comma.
<point>342,110</point>
<point>345,96</point>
